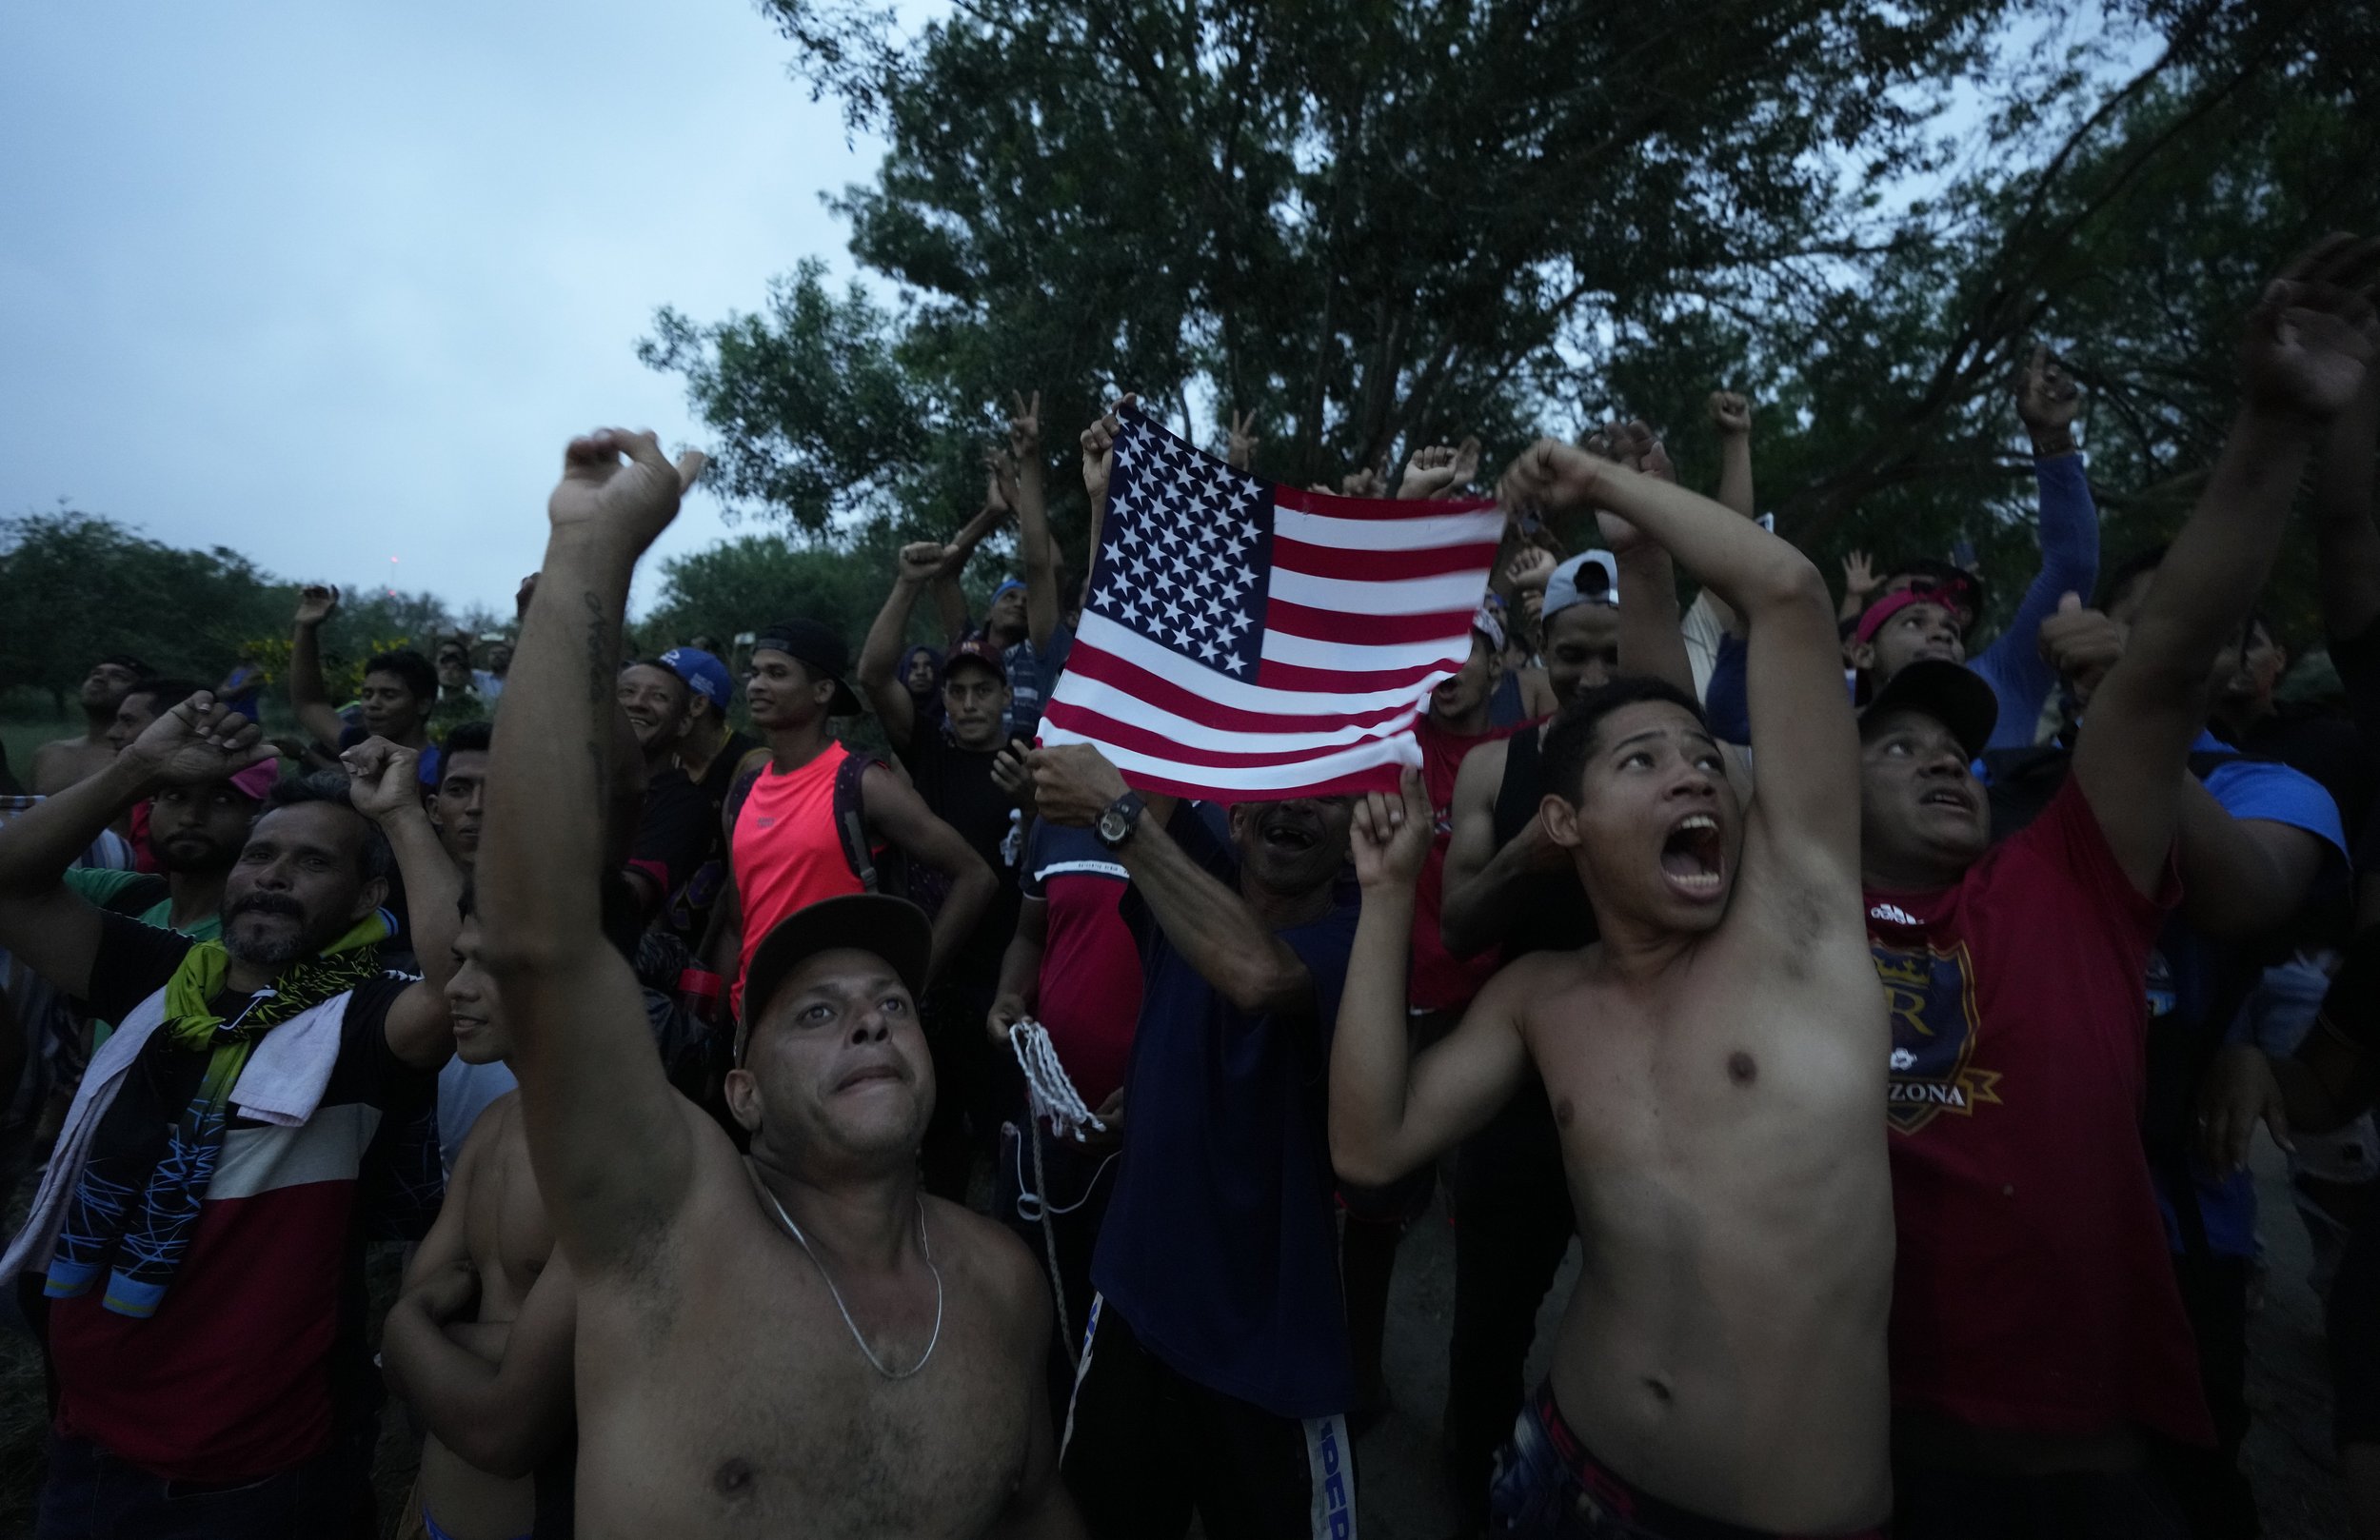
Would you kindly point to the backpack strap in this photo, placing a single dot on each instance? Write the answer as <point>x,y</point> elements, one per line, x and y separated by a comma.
<point>851,818</point>
<point>748,772</point>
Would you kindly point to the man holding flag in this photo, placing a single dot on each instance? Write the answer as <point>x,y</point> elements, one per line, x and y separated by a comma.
<point>1272,650</point>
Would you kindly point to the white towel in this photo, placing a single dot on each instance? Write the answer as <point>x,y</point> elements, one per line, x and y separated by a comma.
<point>285,1077</point>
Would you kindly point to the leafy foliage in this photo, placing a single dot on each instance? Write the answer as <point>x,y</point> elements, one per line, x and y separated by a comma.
<point>1395,224</point>
<point>75,587</point>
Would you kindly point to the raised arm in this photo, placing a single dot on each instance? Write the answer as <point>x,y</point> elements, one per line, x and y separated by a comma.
<point>1800,717</point>
<point>612,1152</point>
<point>879,667</point>
<point>1098,463</point>
<point>1485,886</point>
<point>1038,548</point>
<point>384,783</point>
<point>2303,361</point>
<point>950,603</point>
<point>47,923</point>
<point>1391,1113</point>
<point>1650,639</point>
<point>2048,403</point>
<point>2349,546</point>
<point>307,697</point>
<point>896,813</point>
<point>1208,922</point>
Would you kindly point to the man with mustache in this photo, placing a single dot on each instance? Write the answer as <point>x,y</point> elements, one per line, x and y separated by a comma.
<point>1711,1063</point>
<point>1215,1374</point>
<point>195,1233</point>
<point>799,1341</point>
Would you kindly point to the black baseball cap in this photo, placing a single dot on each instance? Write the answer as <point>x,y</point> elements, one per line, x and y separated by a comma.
<point>819,647</point>
<point>893,929</point>
<point>1951,694</point>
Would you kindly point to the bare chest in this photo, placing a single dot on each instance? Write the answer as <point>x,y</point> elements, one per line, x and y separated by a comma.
<point>508,1229</point>
<point>1718,1071</point>
<point>753,1412</point>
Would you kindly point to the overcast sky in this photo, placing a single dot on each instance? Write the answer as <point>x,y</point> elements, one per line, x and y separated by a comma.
<point>332,284</point>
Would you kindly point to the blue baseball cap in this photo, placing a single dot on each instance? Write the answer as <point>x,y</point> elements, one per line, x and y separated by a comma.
<point>704,674</point>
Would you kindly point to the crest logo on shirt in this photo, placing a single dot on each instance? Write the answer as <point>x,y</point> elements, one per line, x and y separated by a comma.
<point>1929,994</point>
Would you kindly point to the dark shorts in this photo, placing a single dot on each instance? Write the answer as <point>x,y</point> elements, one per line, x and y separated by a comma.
<point>1549,1487</point>
<point>2355,1332</point>
<point>1146,1448</point>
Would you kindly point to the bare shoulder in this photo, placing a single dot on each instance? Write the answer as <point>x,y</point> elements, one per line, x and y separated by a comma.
<point>1528,982</point>
<point>1482,768</point>
<point>495,1120</point>
<point>994,1256</point>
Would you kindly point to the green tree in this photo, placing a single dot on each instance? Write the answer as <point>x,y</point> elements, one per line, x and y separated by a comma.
<point>1365,223</point>
<point>75,587</point>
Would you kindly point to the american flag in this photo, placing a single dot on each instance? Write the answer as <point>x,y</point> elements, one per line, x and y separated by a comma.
<point>1244,640</point>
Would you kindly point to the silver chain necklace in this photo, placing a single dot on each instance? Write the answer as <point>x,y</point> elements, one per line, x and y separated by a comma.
<point>850,1324</point>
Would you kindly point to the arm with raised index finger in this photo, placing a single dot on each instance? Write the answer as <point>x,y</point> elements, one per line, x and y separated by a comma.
<point>43,921</point>
<point>1392,1112</point>
<point>1807,808</point>
<point>2308,344</point>
<point>611,1148</point>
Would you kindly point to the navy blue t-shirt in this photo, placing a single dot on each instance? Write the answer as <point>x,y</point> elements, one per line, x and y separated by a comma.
<point>1220,1248</point>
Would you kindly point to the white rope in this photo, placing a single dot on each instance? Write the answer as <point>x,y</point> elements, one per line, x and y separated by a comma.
<point>1056,1101</point>
<point>1053,1093</point>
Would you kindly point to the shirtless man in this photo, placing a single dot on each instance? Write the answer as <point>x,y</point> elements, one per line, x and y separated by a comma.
<point>796,1343</point>
<point>63,762</point>
<point>1712,1062</point>
<point>493,1391</point>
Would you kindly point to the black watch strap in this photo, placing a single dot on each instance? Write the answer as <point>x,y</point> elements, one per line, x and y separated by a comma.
<point>1115,826</point>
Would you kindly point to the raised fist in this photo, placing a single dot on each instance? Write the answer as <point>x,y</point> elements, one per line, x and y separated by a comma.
<point>198,742</point>
<point>630,502</point>
<point>382,778</point>
<point>1731,414</point>
<point>2313,335</point>
<point>922,560</point>
<point>2047,396</point>
<point>317,603</point>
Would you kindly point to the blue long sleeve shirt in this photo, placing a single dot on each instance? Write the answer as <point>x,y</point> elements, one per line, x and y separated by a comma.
<point>2013,665</point>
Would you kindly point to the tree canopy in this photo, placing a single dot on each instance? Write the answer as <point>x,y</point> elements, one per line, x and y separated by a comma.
<point>1397,224</point>
<point>75,587</point>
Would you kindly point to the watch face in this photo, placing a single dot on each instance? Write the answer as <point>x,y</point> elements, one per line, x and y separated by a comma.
<point>1113,825</point>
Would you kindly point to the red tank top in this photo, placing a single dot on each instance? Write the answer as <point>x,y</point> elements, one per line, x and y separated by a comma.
<point>787,851</point>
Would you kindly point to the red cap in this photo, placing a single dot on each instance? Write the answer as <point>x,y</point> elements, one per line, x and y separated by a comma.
<point>977,650</point>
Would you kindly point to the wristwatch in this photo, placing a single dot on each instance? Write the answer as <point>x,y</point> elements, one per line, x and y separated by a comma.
<point>1122,815</point>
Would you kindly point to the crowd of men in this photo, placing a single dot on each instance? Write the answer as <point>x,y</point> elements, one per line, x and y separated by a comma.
<point>787,1138</point>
